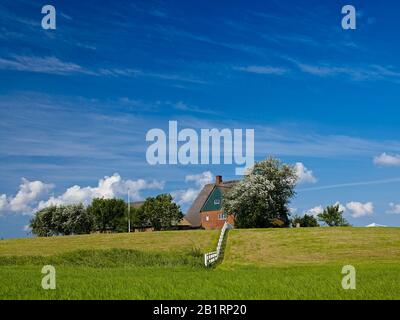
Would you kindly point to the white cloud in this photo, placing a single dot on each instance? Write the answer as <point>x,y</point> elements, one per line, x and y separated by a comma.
<point>363,73</point>
<point>359,209</point>
<point>387,160</point>
<point>181,106</point>
<point>318,70</point>
<point>53,65</point>
<point>394,208</point>
<point>304,175</point>
<point>187,196</point>
<point>314,211</point>
<point>49,65</point>
<point>31,194</point>
<point>3,203</point>
<point>263,70</point>
<point>200,179</point>
<point>108,187</point>
<point>352,184</point>
<point>320,209</point>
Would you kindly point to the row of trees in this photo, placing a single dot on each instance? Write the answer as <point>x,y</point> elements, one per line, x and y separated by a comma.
<point>106,215</point>
<point>261,199</point>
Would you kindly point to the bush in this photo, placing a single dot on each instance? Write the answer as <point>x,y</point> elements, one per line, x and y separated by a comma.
<point>278,223</point>
<point>307,221</point>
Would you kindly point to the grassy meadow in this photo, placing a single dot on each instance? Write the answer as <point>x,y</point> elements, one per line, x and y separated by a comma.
<point>146,241</point>
<point>258,264</point>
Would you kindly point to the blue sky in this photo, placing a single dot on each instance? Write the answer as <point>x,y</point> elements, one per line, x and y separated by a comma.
<point>76,102</point>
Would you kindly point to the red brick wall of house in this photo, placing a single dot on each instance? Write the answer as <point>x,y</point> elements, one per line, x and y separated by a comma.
<point>209,219</point>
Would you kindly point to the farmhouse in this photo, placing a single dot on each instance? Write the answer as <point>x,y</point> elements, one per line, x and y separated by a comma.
<point>206,211</point>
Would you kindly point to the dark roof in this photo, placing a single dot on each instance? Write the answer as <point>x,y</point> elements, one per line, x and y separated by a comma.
<point>225,186</point>
<point>193,214</point>
<point>184,222</point>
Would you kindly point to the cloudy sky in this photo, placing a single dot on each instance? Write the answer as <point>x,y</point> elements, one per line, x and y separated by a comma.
<point>76,102</point>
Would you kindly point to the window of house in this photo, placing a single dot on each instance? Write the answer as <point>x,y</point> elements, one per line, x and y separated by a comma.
<point>207,218</point>
<point>222,216</point>
<point>217,201</point>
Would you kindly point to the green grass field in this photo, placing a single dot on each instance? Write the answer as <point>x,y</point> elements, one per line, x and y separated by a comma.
<point>146,241</point>
<point>257,264</point>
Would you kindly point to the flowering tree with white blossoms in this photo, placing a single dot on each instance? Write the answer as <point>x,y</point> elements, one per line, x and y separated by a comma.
<point>261,199</point>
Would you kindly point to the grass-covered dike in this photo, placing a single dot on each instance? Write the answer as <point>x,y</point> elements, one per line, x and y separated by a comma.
<point>258,264</point>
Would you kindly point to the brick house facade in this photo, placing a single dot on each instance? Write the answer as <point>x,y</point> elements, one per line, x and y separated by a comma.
<point>206,211</point>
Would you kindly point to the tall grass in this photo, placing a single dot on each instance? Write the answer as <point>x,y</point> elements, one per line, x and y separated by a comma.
<point>110,258</point>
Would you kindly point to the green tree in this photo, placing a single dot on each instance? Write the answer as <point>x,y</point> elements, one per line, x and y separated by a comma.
<point>61,220</point>
<point>139,217</point>
<point>161,212</point>
<point>307,221</point>
<point>333,217</point>
<point>121,224</point>
<point>107,213</point>
<point>261,199</point>
<point>76,219</point>
<point>42,223</point>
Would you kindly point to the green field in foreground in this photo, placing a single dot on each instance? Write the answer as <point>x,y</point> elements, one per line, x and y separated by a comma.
<point>312,282</point>
<point>258,264</point>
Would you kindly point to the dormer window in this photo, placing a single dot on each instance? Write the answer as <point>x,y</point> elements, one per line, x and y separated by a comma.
<point>217,201</point>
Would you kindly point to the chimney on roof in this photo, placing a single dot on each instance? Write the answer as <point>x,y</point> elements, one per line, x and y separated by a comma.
<point>218,180</point>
